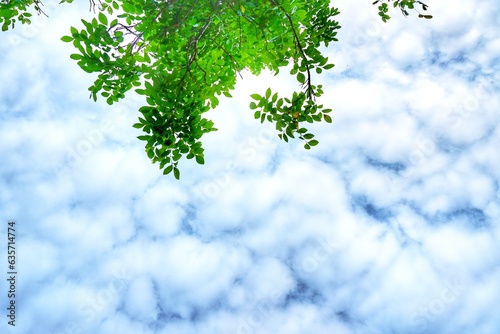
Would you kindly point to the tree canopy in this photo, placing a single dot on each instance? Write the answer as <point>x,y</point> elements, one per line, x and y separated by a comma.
<point>182,55</point>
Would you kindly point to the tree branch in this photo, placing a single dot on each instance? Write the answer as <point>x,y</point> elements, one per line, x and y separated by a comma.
<point>310,91</point>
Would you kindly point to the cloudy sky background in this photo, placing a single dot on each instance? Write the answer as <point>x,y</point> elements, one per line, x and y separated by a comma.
<point>389,225</point>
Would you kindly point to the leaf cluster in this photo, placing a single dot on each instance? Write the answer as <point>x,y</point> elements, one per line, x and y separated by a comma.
<point>288,114</point>
<point>12,11</point>
<point>183,55</point>
<point>403,5</point>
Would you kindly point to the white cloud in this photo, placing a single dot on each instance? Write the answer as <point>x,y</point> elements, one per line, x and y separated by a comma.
<point>407,48</point>
<point>388,225</point>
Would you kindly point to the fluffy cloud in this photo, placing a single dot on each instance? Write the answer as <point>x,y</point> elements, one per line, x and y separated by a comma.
<point>390,224</point>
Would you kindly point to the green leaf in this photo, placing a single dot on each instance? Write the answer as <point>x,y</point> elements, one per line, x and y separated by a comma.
<point>76,56</point>
<point>138,125</point>
<point>301,14</point>
<point>327,118</point>
<point>313,142</point>
<point>168,170</point>
<point>177,173</point>
<point>67,39</point>
<point>257,114</point>
<point>268,93</point>
<point>275,97</point>
<point>102,18</point>
<point>308,136</point>
<point>214,101</point>
<point>163,163</point>
<point>301,77</point>
<point>256,97</point>
<point>176,155</point>
<point>289,131</point>
<point>200,159</point>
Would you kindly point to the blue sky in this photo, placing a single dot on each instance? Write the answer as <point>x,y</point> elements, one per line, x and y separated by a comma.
<point>389,225</point>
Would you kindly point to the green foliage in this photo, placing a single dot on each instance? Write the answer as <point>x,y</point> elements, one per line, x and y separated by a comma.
<point>12,11</point>
<point>183,55</point>
<point>403,5</point>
